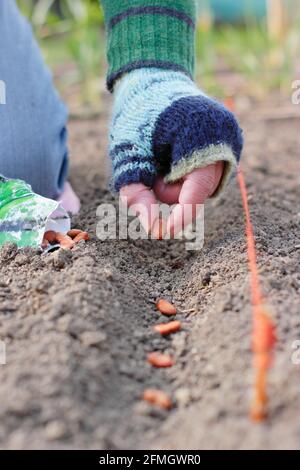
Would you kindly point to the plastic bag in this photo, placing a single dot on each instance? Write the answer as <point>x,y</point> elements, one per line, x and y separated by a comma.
<point>26,216</point>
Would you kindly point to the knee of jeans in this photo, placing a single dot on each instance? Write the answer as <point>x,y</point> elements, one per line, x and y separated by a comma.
<point>38,156</point>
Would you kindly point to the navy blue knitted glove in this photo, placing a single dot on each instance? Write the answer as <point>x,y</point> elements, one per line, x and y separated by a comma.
<point>163,124</point>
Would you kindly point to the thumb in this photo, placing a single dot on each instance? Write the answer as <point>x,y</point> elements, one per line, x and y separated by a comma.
<point>196,188</point>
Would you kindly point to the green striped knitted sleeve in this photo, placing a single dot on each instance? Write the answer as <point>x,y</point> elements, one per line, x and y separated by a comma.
<point>149,33</point>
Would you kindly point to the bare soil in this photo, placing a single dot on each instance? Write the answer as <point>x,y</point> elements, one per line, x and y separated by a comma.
<point>77,326</point>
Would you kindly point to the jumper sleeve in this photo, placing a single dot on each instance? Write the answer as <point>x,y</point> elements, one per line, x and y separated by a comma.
<point>149,33</point>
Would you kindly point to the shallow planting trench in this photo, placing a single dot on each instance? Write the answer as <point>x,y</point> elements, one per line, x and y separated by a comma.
<point>78,325</point>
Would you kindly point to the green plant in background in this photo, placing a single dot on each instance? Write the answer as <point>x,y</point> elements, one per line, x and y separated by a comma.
<point>83,46</point>
<point>71,35</point>
<point>56,12</point>
<point>264,64</point>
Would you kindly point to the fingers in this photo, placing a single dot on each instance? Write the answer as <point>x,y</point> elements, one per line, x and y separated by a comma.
<point>142,202</point>
<point>196,188</point>
<point>69,199</point>
<point>167,193</point>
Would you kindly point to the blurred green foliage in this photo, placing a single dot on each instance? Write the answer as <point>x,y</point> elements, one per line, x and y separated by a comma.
<point>263,64</point>
<point>72,37</point>
<point>68,13</point>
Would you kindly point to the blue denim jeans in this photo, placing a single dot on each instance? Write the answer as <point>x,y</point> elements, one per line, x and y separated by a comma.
<point>33,136</point>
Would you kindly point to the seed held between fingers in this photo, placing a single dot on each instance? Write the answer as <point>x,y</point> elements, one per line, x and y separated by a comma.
<point>158,398</point>
<point>159,360</point>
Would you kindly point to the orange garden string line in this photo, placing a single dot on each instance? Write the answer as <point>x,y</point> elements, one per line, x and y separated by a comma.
<point>255,284</point>
<point>264,335</point>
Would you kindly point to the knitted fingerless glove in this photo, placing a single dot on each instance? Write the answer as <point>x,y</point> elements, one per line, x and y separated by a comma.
<point>162,123</point>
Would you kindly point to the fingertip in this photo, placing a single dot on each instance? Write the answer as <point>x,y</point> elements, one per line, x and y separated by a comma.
<point>167,193</point>
<point>142,202</point>
<point>132,192</point>
<point>201,184</point>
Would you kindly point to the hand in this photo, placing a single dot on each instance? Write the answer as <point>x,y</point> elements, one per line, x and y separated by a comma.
<point>194,188</point>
